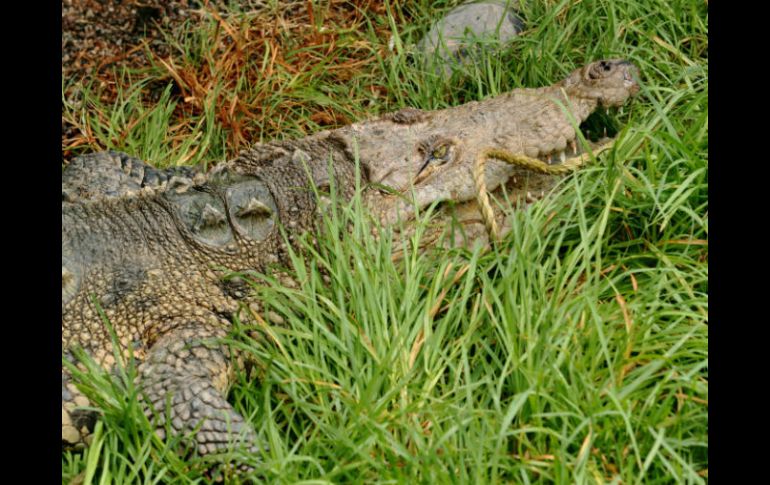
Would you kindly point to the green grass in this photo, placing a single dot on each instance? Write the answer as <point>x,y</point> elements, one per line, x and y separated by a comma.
<point>575,352</point>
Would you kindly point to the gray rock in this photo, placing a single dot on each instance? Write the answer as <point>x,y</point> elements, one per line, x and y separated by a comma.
<point>466,31</point>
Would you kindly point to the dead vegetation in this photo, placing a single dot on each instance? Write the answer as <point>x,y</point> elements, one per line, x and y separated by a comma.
<point>259,71</point>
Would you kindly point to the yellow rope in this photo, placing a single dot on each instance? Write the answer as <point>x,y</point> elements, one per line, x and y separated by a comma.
<point>529,163</point>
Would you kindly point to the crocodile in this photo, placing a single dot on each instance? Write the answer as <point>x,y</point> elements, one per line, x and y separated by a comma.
<point>148,249</point>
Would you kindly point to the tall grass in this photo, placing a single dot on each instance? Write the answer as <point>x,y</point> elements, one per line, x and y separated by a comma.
<point>575,352</point>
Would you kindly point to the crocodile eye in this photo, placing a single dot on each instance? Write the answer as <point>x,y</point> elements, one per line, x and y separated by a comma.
<point>440,152</point>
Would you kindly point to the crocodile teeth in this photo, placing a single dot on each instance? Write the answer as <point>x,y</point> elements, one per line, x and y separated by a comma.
<point>211,217</point>
<point>573,145</point>
<point>562,157</point>
<point>254,207</point>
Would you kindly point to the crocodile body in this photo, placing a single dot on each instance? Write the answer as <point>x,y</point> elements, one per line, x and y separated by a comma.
<point>152,247</point>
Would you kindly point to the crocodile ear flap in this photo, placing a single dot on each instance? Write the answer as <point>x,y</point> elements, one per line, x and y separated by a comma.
<point>252,208</point>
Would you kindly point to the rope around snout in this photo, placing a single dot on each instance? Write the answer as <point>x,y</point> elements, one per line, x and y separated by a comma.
<point>528,163</point>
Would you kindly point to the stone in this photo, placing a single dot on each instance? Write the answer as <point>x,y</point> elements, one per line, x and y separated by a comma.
<point>467,31</point>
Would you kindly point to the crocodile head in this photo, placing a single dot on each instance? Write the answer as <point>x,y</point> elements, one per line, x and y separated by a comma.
<point>427,157</point>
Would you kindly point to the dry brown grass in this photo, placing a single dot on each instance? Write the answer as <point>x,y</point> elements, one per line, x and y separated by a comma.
<point>259,71</point>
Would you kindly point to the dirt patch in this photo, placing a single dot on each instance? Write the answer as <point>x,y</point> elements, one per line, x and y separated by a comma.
<point>97,33</point>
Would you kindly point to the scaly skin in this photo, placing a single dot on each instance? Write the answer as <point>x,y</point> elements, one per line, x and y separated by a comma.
<point>152,246</point>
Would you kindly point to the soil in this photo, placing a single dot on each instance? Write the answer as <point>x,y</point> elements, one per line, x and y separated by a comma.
<point>97,33</point>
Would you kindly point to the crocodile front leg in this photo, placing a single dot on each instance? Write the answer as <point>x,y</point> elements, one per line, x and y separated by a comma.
<point>187,373</point>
